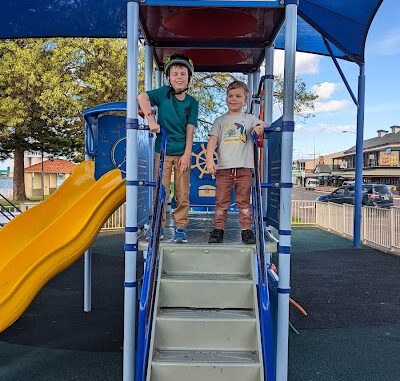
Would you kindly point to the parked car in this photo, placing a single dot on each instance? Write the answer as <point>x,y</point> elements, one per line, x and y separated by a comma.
<point>377,195</point>
<point>392,188</point>
<point>311,184</point>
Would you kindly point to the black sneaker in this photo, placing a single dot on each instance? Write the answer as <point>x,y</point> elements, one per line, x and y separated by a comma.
<point>216,236</point>
<point>248,237</point>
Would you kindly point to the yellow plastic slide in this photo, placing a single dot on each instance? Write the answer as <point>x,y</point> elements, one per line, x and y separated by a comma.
<point>43,241</point>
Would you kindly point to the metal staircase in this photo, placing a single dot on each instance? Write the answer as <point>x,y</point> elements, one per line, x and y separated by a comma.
<point>205,323</point>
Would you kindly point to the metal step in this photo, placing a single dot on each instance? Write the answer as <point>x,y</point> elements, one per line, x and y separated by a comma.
<point>206,329</point>
<point>200,365</point>
<point>206,291</point>
<point>207,259</point>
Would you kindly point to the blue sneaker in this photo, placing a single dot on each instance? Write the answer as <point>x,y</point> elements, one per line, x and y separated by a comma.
<point>180,236</point>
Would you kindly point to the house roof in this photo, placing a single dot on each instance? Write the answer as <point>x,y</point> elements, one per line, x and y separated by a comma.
<point>387,139</point>
<point>53,166</point>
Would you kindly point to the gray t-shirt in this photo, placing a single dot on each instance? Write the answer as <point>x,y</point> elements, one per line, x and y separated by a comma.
<point>235,141</point>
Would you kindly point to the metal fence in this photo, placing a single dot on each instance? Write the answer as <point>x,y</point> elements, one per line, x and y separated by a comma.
<point>380,227</point>
<point>303,212</point>
<point>116,220</point>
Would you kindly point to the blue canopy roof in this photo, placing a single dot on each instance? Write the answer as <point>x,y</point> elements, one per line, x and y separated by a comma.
<point>343,23</point>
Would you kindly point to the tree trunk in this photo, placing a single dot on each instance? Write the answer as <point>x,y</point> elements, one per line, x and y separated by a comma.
<point>19,177</point>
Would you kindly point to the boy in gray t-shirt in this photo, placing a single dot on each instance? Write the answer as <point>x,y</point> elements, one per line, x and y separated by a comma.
<point>231,137</point>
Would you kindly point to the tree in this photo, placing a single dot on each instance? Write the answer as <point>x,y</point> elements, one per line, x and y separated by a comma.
<point>303,99</point>
<point>37,104</point>
<point>46,84</point>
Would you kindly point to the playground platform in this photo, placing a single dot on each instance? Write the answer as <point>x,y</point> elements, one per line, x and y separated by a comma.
<point>352,331</point>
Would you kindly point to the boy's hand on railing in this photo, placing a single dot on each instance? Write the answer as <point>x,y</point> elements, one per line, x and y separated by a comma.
<point>184,162</point>
<point>211,166</point>
<point>258,129</point>
<point>154,126</point>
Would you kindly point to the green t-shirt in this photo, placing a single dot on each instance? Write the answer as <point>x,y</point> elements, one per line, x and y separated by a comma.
<point>173,116</point>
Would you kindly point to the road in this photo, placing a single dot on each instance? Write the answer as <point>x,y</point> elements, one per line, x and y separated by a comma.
<point>303,194</point>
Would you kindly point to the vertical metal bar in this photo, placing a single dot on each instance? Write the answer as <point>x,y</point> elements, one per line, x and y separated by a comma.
<point>158,78</point>
<point>268,113</point>
<point>148,67</point>
<point>392,229</point>
<point>87,267</point>
<point>148,85</point>
<point>359,159</point>
<point>131,195</point>
<point>256,82</point>
<point>250,86</point>
<point>284,247</point>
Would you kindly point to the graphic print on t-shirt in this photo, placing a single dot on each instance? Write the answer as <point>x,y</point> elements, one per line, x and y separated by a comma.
<point>235,134</point>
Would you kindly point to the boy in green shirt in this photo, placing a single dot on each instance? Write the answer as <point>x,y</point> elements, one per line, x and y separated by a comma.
<point>177,114</point>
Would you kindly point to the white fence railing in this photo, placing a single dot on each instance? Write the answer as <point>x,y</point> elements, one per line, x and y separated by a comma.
<point>116,220</point>
<point>303,212</point>
<point>380,227</point>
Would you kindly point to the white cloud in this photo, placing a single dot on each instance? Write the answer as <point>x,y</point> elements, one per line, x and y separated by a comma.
<point>325,128</point>
<point>331,106</point>
<point>325,90</point>
<point>390,45</point>
<point>305,63</point>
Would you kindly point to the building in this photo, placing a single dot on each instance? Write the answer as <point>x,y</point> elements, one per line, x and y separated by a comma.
<point>380,159</point>
<point>53,172</point>
<point>320,168</point>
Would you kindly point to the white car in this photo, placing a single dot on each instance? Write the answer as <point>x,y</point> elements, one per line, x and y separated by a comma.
<point>311,184</point>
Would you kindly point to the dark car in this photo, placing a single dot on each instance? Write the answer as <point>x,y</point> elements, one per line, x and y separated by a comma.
<point>377,195</point>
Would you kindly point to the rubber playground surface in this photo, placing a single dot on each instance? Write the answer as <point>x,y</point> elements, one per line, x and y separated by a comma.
<point>352,331</point>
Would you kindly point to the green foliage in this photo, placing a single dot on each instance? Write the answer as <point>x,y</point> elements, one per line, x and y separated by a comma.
<point>46,84</point>
<point>304,99</point>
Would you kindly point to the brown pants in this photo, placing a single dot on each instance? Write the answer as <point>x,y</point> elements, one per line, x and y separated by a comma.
<point>182,181</point>
<point>240,179</point>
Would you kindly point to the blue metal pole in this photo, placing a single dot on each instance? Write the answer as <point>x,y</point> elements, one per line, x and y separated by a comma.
<point>148,85</point>
<point>250,87</point>
<point>87,268</point>
<point>268,112</point>
<point>158,78</point>
<point>284,247</point>
<point>148,67</point>
<point>131,228</point>
<point>359,159</point>
<point>256,81</point>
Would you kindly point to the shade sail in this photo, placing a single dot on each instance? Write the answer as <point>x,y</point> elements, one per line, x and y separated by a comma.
<point>219,35</point>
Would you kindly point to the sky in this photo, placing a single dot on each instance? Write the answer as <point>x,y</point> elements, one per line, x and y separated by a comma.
<point>334,110</point>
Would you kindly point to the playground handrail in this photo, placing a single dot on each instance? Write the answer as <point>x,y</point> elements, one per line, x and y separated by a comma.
<point>263,267</point>
<point>4,211</point>
<point>147,294</point>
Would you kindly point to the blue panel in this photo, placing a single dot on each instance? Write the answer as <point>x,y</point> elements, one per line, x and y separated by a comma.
<point>309,40</point>
<point>274,141</point>
<point>111,153</point>
<point>202,184</point>
<point>51,18</point>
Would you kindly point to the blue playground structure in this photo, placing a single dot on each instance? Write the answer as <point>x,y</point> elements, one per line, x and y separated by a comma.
<point>220,36</point>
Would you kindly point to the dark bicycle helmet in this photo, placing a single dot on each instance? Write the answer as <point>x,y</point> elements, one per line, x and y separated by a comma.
<point>179,59</point>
